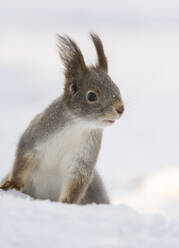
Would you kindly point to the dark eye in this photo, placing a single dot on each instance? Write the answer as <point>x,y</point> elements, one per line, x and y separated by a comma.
<point>92,97</point>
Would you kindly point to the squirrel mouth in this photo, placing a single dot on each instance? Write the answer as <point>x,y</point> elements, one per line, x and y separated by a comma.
<point>110,121</point>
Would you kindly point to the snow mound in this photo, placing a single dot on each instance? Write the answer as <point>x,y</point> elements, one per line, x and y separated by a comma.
<point>157,193</point>
<point>36,223</point>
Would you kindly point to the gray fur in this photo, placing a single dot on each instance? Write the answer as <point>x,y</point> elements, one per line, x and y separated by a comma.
<point>57,153</point>
<point>96,192</point>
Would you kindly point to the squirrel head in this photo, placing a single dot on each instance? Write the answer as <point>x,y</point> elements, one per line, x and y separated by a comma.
<point>89,92</point>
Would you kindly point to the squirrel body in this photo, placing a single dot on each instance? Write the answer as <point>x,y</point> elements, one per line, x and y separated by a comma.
<point>57,154</point>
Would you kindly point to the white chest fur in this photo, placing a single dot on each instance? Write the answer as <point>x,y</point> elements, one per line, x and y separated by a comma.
<point>56,157</point>
<point>60,150</point>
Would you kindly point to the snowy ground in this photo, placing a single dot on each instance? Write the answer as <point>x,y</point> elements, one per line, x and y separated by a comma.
<point>33,223</point>
<point>139,160</point>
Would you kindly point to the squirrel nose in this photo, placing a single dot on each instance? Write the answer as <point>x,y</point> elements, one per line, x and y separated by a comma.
<point>120,109</point>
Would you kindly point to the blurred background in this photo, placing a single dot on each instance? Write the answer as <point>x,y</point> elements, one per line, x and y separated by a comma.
<point>139,160</point>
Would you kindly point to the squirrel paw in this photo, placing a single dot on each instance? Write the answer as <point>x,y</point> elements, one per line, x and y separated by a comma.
<point>11,185</point>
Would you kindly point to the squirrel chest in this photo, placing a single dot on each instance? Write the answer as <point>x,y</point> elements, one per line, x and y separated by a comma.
<point>57,157</point>
<point>62,149</point>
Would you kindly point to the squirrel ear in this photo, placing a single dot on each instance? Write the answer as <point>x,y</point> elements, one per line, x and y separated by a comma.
<point>102,59</point>
<point>72,59</point>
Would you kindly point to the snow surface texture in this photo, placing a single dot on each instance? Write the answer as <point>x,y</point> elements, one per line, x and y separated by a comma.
<point>27,223</point>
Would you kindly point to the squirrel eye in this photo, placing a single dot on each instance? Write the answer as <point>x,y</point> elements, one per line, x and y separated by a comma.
<point>92,96</point>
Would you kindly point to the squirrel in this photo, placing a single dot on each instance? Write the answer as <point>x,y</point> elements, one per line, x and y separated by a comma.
<point>56,155</point>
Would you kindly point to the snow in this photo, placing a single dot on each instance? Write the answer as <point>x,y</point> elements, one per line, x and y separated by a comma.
<point>157,193</point>
<point>35,223</point>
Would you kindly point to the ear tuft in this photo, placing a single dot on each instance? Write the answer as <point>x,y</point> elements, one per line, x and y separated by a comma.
<point>72,57</point>
<point>102,59</point>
